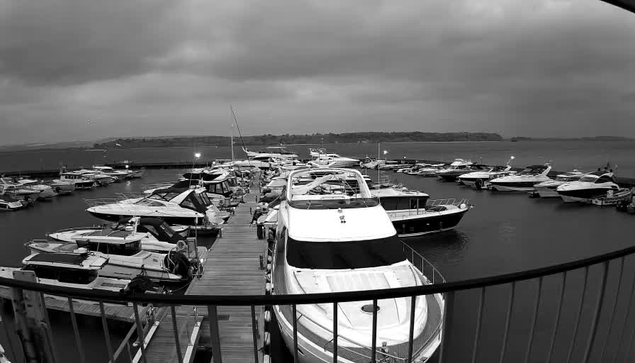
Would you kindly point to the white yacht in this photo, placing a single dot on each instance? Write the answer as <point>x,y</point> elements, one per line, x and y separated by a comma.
<point>478,179</point>
<point>76,270</point>
<point>413,214</point>
<point>118,175</point>
<point>524,181</point>
<point>331,160</point>
<point>279,152</point>
<point>46,191</point>
<point>8,203</point>
<point>592,185</point>
<point>430,170</point>
<point>175,206</point>
<point>14,190</point>
<point>334,238</point>
<point>155,235</point>
<point>79,180</point>
<point>548,188</point>
<point>100,178</point>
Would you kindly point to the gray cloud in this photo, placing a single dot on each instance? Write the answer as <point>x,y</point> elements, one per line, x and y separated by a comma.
<point>533,67</point>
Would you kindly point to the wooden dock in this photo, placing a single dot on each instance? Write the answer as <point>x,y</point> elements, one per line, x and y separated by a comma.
<point>232,268</point>
<point>118,312</point>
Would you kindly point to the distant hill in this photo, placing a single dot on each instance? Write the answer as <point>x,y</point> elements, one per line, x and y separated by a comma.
<point>330,138</point>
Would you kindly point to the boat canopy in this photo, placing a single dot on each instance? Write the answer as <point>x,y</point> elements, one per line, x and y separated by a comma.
<point>533,169</point>
<point>344,255</point>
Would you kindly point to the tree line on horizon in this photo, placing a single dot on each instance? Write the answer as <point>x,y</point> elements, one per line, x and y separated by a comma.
<point>287,139</point>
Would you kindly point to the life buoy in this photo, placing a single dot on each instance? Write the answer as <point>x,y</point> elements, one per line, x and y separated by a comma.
<point>180,246</point>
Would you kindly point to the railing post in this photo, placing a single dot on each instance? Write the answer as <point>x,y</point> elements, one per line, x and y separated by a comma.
<point>479,319</point>
<point>212,313</point>
<point>254,332</point>
<point>448,321</point>
<point>598,311</point>
<point>32,323</point>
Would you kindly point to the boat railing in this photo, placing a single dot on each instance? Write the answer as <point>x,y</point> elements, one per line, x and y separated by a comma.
<point>422,264</point>
<point>446,201</point>
<point>94,202</point>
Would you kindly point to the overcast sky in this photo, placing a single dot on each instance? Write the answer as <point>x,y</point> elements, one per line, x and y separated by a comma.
<point>91,69</point>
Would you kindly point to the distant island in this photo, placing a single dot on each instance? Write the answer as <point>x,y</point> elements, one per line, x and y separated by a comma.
<point>330,138</point>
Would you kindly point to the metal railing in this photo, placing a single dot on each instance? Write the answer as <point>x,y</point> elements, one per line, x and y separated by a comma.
<point>446,201</point>
<point>604,286</point>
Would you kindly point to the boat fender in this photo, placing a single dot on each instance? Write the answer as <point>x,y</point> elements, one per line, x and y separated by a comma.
<point>267,339</point>
<point>266,358</point>
<point>268,277</point>
<point>269,258</point>
<point>268,288</point>
<point>463,206</point>
<point>268,267</point>
<point>268,316</point>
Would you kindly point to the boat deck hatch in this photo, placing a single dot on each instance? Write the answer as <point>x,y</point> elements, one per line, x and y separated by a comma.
<point>368,308</point>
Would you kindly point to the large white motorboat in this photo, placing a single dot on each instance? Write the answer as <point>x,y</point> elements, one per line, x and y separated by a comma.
<point>429,170</point>
<point>333,238</point>
<point>187,207</point>
<point>118,175</point>
<point>548,188</point>
<point>322,159</point>
<point>79,180</point>
<point>592,185</point>
<point>524,181</point>
<point>478,179</point>
<point>100,178</point>
<point>75,270</point>
<point>413,214</point>
<point>156,234</point>
<point>278,152</point>
<point>17,191</point>
<point>46,191</point>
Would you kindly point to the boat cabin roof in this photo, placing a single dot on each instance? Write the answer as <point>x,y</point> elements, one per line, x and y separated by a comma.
<point>67,260</point>
<point>534,169</point>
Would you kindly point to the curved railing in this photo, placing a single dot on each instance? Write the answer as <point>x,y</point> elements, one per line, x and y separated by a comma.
<point>450,290</point>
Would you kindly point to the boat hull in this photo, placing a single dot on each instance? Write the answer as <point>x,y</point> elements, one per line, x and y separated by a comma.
<point>582,195</point>
<point>513,187</point>
<point>547,192</point>
<point>409,224</point>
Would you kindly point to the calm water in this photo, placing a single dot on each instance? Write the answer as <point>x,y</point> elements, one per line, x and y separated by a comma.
<point>563,155</point>
<point>503,233</point>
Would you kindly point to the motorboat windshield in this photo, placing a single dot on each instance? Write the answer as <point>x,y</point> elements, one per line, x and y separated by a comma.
<point>533,170</point>
<point>328,188</point>
<point>344,255</point>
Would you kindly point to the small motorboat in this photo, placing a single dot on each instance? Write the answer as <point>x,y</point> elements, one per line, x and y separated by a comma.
<point>155,234</point>
<point>613,197</point>
<point>8,203</point>
<point>547,189</point>
<point>524,181</point>
<point>77,270</point>
<point>589,186</point>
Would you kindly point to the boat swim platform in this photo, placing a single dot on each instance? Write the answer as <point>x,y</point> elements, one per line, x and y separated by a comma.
<point>232,268</point>
<point>119,312</point>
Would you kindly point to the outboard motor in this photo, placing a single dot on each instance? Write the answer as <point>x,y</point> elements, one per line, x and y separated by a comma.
<point>178,264</point>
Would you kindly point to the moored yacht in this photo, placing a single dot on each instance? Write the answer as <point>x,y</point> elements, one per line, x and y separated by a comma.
<point>175,206</point>
<point>332,238</point>
<point>413,214</point>
<point>155,235</point>
<point>79,180</point>
<point>78,270</point>
<point>117,175</point>
<point>478,179</point>
<point>524,181</point>
<point>589,186</point>
<point>279,152</point>
<point>548,188</point>
<point>331,160</point>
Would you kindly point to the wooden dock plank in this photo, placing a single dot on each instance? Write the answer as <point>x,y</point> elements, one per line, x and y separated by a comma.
<point>232,268</point>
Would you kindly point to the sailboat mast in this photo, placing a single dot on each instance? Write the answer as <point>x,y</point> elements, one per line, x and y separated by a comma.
<point>378,172</point>
<point>232,141</point>
<point>238,128</point>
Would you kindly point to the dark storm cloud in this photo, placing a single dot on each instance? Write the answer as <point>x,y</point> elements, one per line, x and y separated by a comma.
<point>533,67</point>
<point>77,41</point>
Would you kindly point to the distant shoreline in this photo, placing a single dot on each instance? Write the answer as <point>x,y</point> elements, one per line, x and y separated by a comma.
<point>274,140</point>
